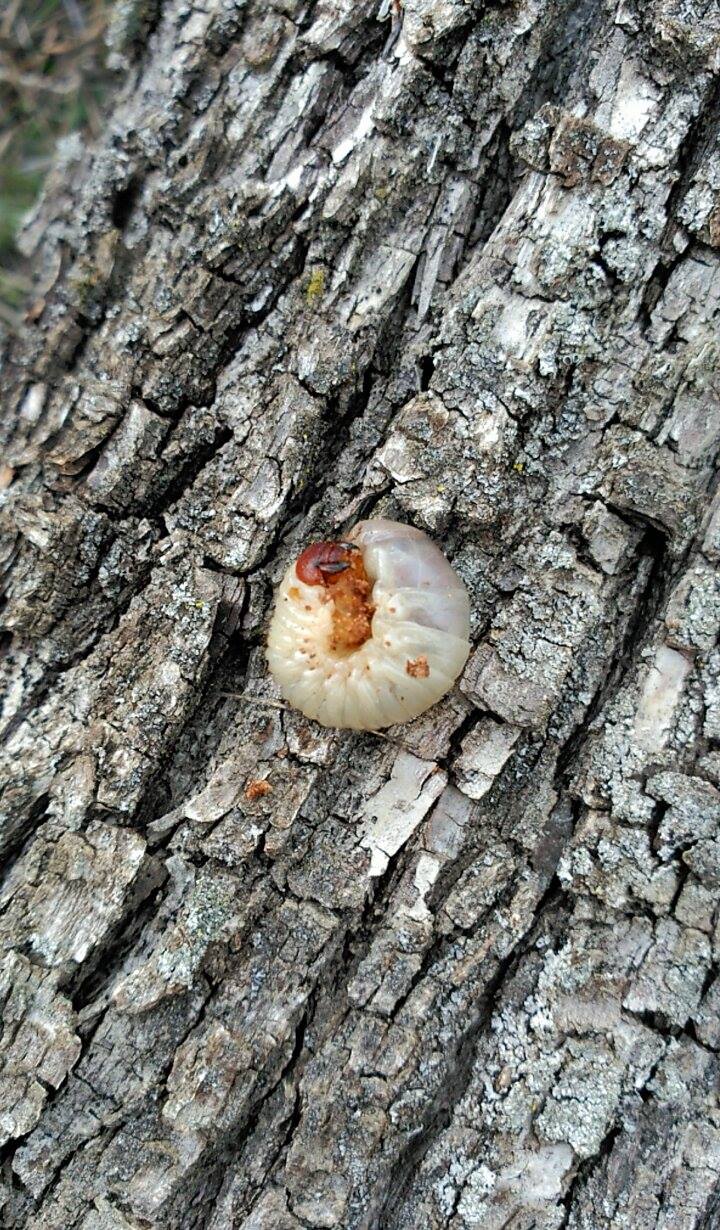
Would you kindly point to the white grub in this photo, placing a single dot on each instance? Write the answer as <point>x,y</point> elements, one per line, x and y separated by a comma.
<point>421,616</point>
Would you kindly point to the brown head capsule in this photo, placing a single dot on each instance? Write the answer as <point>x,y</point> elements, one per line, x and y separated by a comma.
<point>338,566</point>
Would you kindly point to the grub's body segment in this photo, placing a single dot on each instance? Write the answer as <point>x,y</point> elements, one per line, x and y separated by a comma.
<point>370,632</point>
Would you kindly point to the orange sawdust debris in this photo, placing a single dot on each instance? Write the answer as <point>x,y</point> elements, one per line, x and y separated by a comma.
<point>256,790</point>
<point>417,667</point>
<point>352,608</point>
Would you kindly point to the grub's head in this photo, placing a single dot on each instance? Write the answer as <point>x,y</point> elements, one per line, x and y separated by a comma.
<point>339,568</point>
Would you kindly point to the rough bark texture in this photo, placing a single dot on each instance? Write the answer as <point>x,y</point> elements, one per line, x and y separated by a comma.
<point>446,261</point>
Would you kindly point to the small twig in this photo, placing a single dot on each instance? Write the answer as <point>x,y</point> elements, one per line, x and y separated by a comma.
<point>65,46</point>
<point>22,33</point>
<point>9,17</point>
<point>75,14</point>
<point>278,704</point>
<point>255,700</point>
<point>42,84</point>
<point>405,747</point>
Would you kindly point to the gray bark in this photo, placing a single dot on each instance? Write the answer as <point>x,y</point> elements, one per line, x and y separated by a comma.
<point>451,262</point>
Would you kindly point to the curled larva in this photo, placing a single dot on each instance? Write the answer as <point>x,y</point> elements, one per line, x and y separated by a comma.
<point>369,631</point>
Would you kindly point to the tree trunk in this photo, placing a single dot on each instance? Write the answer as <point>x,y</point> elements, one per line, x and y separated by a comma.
<point>455,263</point>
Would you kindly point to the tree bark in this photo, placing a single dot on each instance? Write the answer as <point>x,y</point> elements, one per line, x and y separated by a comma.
<point>456,263</point>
